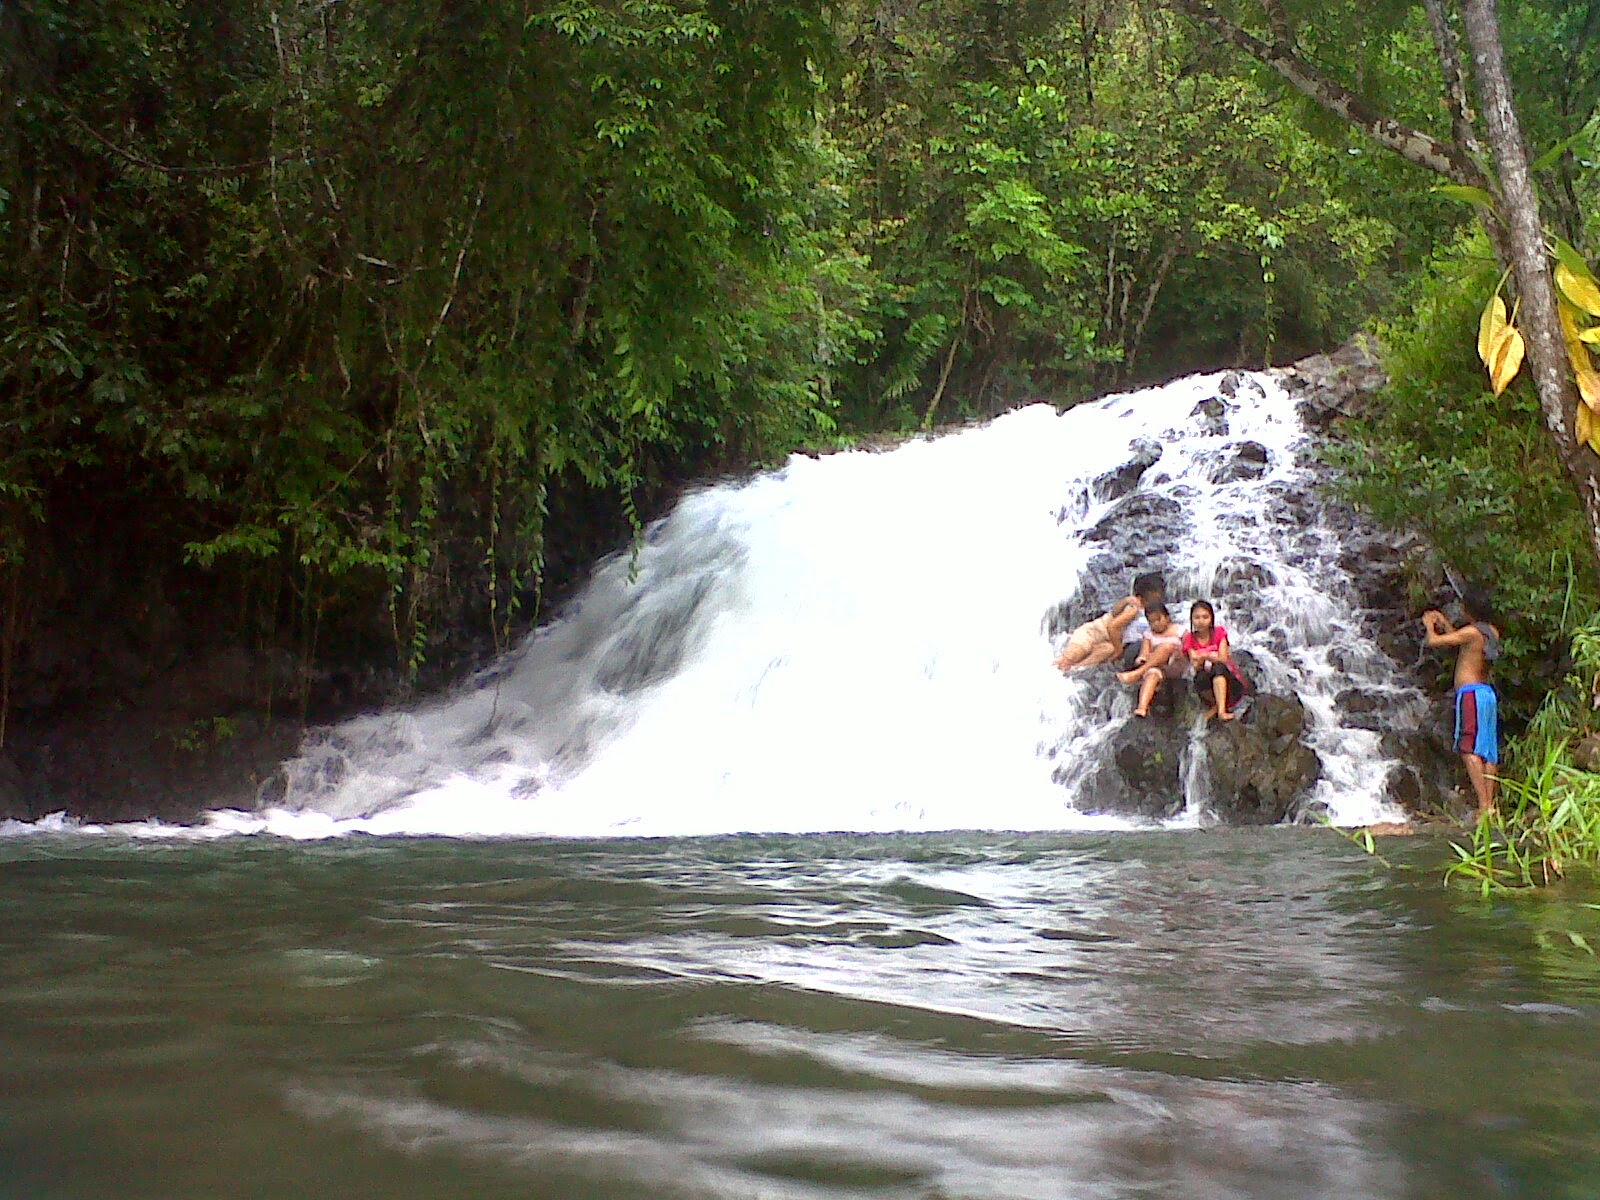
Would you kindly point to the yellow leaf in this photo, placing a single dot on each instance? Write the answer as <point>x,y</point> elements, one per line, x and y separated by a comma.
<point>1580,290</point>
<point>1589,387</point>
<point>1585,427</point>
<point>1490,325</point>
<point>1505,358</point>
<point>1590,335</point>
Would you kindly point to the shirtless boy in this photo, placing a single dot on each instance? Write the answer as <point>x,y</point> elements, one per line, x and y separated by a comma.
<point>1477,735</point>
<point>1100,640</point>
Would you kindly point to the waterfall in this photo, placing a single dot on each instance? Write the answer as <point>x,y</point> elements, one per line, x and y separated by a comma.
<point>863,640</point>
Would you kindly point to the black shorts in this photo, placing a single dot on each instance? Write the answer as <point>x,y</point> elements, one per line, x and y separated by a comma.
<point>1206,672</point>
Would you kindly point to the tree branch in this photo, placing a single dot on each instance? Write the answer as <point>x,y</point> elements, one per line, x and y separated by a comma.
<point>1415,146</point>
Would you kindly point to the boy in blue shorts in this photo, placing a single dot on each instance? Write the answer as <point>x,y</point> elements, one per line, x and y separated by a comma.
<point>1477,732</point>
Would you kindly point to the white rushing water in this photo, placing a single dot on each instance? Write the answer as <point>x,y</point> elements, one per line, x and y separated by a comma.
<point>863,642</point>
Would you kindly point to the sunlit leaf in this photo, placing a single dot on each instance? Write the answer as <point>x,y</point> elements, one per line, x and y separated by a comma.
<point>1580,289</point>
<point>1590,335</point>
<point>1505,358</point>
<point>1589,387</point>
<point>1569,257</point>
<point>1467,195</point>
<point>1578,940</point>
<point>1490,325</point>
<point>1586,428</point>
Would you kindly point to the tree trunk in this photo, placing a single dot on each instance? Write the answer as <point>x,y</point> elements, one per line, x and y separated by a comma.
<point>1530,262</point>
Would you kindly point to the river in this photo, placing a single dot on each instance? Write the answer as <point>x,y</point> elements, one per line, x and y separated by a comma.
<point>983,1016</point>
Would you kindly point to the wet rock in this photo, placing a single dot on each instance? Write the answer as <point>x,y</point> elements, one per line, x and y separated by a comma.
<point>1361,709</point>
<point>1143,519</point>
<point>1211,416</point>
<point>1113,485</point>
<point>1142,773</point>
<point>1259,769</point>
<point>1248,460</point>
<point>1427,776</point>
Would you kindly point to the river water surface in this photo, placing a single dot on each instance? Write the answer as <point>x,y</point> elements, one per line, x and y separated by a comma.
<point>1223,1013</point>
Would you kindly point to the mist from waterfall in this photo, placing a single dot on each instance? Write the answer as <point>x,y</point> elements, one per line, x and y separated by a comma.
<point>862,641</point>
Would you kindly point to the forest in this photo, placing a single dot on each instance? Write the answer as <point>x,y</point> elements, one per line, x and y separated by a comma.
<point>349,332</point>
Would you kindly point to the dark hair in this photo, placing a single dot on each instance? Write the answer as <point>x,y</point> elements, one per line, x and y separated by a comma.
<point>1151,583</point>
<point>1478,603</point>
<point>1205,604</point>
<point>1156,610</point>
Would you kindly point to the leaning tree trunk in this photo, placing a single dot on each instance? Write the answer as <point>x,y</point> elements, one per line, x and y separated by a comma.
<point>1530,261</point>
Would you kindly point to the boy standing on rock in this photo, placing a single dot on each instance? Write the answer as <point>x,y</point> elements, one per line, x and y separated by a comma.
<point>1477,734</point>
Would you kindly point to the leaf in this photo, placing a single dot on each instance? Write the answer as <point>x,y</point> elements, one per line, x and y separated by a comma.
<point>1578,940</point>
<point>1589,387</point>
<point>1568,256</point>
<point>1506,358</point>
<point>1490,326</point>
<point>1586,428</point>
<point>1467,195</point>
<point>1590,335</point>
<point>1580,289</point>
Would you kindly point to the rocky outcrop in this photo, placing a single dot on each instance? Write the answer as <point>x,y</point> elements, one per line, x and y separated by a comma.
<point>1258,769</point>
<point>1253,771</point>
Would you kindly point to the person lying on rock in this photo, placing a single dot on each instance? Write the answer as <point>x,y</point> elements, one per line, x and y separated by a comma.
<point>1477,732</point>
<point>1100,640</point>
<point>1160,658</point>
<point>1216,679</point>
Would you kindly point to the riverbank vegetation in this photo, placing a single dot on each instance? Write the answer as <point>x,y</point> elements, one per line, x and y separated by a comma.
<point>351,331</point>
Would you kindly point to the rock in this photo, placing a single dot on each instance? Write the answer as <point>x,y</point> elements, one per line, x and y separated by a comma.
<point>1257,767</point>
<point>1142,774</point>
<point>1361,709</point>
<point>1113,485</point>
<point>1427,776</point>
<point>1247,460</point>
<point>1586,752</point>
<point>1340,384</point>
<point>1211,415</point>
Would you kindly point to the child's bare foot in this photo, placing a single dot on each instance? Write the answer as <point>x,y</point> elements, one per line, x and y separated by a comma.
<point>1139,713</point>
<point>1226,716</point>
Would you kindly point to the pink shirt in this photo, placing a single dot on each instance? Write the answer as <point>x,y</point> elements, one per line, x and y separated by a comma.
<point>1218,636</point>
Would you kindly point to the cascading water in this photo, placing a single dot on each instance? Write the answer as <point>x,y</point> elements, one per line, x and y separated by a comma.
<point>863,642</point>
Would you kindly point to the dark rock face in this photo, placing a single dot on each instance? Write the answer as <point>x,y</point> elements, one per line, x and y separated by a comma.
<point>1248,460</point>
<point>1428,777</point>
<point>1258,768</point>
<point>1142,774</point>
<point>1113,485</point>
<point>1338,384</point>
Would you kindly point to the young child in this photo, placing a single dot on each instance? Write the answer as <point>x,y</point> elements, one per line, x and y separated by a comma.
<point>1151,588</point>
<point>1098,641</point>
<point>1216,680</point>
<point>1477,732</point>
<point>1160,658</point>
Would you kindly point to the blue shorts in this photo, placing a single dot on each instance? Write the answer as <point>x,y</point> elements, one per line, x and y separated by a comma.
<point>1478,721</point>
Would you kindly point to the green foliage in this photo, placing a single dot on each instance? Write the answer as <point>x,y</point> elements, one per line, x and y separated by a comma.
<point>1472,473</point>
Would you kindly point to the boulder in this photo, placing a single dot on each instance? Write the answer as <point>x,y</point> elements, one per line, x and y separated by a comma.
<point>1247,460</point>
<point>1211,415</point>
<point>1141,773</point>
<point>1258,768</point>
<point>1114,485</point>
<point>1427,776</point>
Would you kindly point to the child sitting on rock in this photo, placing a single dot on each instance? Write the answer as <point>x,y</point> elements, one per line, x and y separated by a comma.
<point>1160,658</point>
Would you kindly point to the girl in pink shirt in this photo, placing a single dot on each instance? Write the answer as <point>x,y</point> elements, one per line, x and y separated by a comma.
<point>1216,680</point>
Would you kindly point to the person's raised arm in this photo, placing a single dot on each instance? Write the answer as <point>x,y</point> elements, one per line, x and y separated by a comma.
<point>1438,632</point>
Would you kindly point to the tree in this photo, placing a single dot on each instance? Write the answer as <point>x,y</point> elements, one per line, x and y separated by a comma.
<point>1516,228</point>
